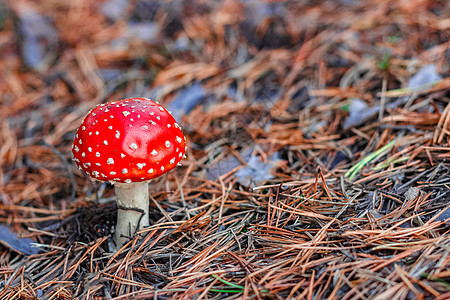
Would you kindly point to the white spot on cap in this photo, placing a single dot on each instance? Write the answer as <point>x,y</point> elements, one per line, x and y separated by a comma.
<point>151,113</point>
<point>154,152</point>
<point>105,142</point>
<point>140,166</point>
<point>144,127</point>
<point>117,134</point>
<point>105,120</point>
<point>172,161</point>
<point>180,154</point>
<point>111,116</point>
<point>97,164</point>
<point>167,143</point>
<point>89,149</point>
<point>83,128</point>
<point>97,154</point>
<point>112,173</point>
<point>124,171</point>
<point>96,133</point>
<point>168,125</point>
<point>110,161</point>
<point>83,154</point>
<point>126,113</point>
<point>95,173</point>
<point>76,149</point>
<point>106,110</point>
<point>133,146</point>
<point>122,155</point>
<point>127,180</point>
<point>109,127</point>
<point>160,108</point>
<point>158,117</point>
<point>90,133</point>
<point>162,168</point>
<point>150,171</point>
<point>80,142</point>
<point>179,139</point>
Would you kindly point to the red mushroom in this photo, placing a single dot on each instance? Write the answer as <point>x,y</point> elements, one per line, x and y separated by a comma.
<point>128,143</point>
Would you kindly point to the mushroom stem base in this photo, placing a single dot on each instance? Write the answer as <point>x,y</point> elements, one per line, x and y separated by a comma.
<point>132,210</point>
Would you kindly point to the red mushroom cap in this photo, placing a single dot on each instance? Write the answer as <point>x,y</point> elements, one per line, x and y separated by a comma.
<point>131,140</point>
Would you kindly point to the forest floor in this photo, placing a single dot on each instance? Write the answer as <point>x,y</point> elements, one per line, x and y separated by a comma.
<point>317,166</point>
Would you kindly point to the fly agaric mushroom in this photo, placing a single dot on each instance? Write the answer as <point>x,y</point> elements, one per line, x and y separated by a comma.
<point>128,143</point>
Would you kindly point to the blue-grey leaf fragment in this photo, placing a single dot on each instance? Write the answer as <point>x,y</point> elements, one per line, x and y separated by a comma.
<point>20,245</point>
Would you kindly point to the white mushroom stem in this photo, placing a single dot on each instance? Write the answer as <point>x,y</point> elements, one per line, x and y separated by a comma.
<point>132,210</point>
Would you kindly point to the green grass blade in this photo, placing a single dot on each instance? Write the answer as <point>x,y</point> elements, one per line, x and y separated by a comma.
<point>227,282</point>
<point>390,161</point>
<point>351,173</point>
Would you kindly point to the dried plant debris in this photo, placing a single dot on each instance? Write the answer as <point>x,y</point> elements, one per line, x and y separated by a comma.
<point>318,149</point>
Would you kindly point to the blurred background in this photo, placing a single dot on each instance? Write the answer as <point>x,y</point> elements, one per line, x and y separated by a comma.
<point>248,81</point>
<point>248,78</point>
